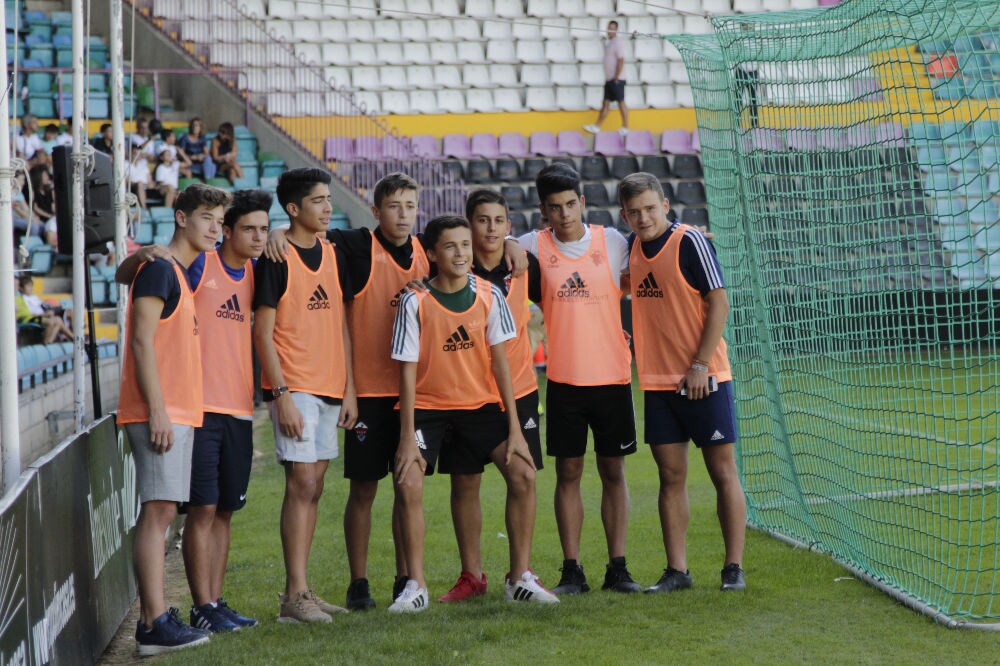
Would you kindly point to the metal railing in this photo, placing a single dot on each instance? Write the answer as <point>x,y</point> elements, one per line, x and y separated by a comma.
<point>316,112</point>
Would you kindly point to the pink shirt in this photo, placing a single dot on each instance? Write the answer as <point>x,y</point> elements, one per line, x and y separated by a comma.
<point>613,50</point>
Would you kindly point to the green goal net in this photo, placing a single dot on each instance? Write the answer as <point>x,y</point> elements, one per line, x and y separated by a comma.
<point>851,164</point>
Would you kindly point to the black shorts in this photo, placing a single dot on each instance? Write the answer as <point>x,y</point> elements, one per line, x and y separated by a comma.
<point>463,460</point>
<point>370,447</point>
<point>476,432</point>
<point>671,418</point>
<point>614,91</point>
<point>607,410</point>
<point>221,461</point>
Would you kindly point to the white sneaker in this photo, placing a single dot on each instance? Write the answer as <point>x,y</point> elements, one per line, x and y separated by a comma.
<point>529,589</point>
<point>593,129</point>
<point>623,131</point>
<point>412,599</point>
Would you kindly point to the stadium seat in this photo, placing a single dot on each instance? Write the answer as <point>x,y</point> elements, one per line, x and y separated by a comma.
<point>447,76</point>
<point>507,170</point>
<point>599,8</point>
<point>660,97</point>
<point>503,75</point>
<point>541,99</point>
<point>387,30</point>
<point>476,76</point>
<point>479,171</point>
<point>563,74</point>
<point>453,169</point>
<point>424,101</point>
<point>609,143</point>
<point>596,194</point>
<point>687,166</point>
<point>543,8</point>
<point>457,146</point>
<point>518,223</point>
<point>452,100</point>
<point>513,144</point>
<point>523,30</point>
<point>508,99</point>
<point>444,53</point>
<point>480,101</point>
<point>677,142</point>
<point>412,30</point>
<point>418,77</point>
<point>416,53</point>
<point>532,167</point>
<point>568,161</point>
<point>479,8</point>
<point>559,51</point>
<point>471,52</point>
<point>571,142</point>
<point>502,52</point>
<point>600,217</point>
<point>485,145</point>
<point>640,142</point>
<point>440,30</point>
<point>587,50</point>
<point>594,167</point>
<point>514,194</point>
<point>535,75</point>
<point>656,165</point>
<point>544,143</point>
<point>691,193</point>
<point>624,166</point>
<point>529,51</point>
<point>570,99</point>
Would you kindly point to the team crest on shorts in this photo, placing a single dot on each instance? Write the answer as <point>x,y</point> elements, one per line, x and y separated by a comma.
<point>419,436</point>
<point>361,431</point>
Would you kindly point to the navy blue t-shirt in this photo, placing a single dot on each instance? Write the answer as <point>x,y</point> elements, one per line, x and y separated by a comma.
<point>698,263</point>
<point>157,278</point>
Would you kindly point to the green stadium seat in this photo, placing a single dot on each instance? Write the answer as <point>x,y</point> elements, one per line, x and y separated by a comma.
<point>184,182</point>
<point>43,53</point>
<point>161,214</point>
<point>41,105</point>
<point>144,234</point>
<point>163,228</point>
<point>221,183</point>
<point>39,82</point>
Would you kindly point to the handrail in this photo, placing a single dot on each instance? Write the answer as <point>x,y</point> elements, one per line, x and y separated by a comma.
<point>63,361</point>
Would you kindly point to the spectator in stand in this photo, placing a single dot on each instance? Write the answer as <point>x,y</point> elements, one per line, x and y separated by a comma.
<point>43,204</point>
<point>614,83</point>
<point>30,308</point>
<point>24,224</point>
<point>167,175</point>
<point>169,143</point>
<point>66,137</point>
<point>29,144</point>
<point>137,174</point>
<point>196,146</point>
<point>103,142</point>
<point>226,153</point>
<point>51,137</point>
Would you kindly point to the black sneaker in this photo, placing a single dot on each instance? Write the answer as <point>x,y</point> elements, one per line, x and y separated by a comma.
<point>732,578</point>
<point>359,596</point>
<point>234,617</point>
<point>398,585</point>
<point>618,579</point>
<point>166,634</point>
<point>573,580</point>
<point>211,618</point>
<point>671,581</point>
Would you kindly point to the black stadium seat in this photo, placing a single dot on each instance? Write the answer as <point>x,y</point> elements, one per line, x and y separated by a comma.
<point>687,166</point>
<point>479,171</point>
<point>508,170</point>
<point>668,192</point>
<point>518,224</point>
<point>568,161</point>
<point>454,169</point>
<point>514,194</point>
<point>531,168</point>
<point>536,220</point>
<point>656,165</point>
<point>600,217</point>
<point>531,201</point>
<point>624,166</point>
<point>596,194</point>
<point>696,217</point>
<point>691,194</point>
<point>594,168</point>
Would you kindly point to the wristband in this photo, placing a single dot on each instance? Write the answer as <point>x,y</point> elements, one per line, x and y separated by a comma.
<point>698,366</point>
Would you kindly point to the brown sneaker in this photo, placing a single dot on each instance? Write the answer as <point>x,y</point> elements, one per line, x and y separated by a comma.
<point>324,606</point>
<point>300,608</point>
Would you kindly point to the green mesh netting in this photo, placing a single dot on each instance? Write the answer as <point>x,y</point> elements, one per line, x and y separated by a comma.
<point>850,159</point>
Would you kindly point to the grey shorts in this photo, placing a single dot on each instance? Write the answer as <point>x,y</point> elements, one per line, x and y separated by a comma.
<point>319,436</point>
<point>162,476</point>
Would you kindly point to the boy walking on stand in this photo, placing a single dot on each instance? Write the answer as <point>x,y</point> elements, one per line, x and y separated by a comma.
<point>450,340</point>
<point>161,403</point>
<point>300,320</point>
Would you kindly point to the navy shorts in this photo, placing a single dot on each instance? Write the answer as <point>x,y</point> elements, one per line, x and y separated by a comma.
<point>464,460</point>
<point>672,418</point>
<point>614,91</point>
<point>370,448</point>
<point>221,461</point>
<point>478,431</point>
<point>607,410</point>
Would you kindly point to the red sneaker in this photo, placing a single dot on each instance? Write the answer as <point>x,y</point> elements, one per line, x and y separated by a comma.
<point>465,588</point>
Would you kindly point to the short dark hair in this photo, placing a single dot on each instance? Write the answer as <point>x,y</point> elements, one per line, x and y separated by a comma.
<point>52,127</point>
<point>165,132</point>
<point>612,23</point>
<point>226,127</point>
<point>483,196</point>
<point>440,224</point>
<point>635,184</point>
<point>246,202</point>
<point>557,177</point>
<point>105,127</point>
<point>200,194</point>
<point>295,184</point>
<point>394,182</point>
<point>155,126</point>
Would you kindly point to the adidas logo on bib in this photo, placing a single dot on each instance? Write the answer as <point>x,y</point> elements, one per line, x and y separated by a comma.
<point>648,288</point>
<point>716,436</point>
<point>459,340</point>
<point>231,310</point>
<point>397,297</point>
<point>574,287</point>
<point>319,300</point>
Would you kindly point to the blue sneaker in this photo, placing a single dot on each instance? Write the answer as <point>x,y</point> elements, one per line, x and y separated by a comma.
<point>234,617</point>
<point>211,618</point>
<point>167,633</point>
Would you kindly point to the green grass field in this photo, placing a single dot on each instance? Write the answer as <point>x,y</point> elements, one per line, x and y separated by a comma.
<point>800,606</point>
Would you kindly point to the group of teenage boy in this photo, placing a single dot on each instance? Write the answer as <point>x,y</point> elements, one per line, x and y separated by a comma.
<point>426,364</point>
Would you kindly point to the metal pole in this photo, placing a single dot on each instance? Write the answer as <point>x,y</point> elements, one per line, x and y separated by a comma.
<point>9,419</point>
<point>76,202</point>
<point>116,39</point>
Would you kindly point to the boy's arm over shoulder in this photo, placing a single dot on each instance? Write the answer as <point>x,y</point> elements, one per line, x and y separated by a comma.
<point>344,274</point>
<point>270,279</point>
<point>500,325</point>
<point>406,329</point>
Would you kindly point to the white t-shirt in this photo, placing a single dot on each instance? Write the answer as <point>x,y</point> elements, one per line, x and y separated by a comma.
<point>613,50</point>
<point>168,174</point>
<point>615,242</point>
<point>28,145</point>
<point>138,172</point>
<point>406,330</point>
<point>34,303</point>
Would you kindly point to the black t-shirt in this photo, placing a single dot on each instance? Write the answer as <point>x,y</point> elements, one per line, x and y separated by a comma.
<point>157,278</point>
<point>271,278</point>
<point>500,274</point>
<point>357,247</point>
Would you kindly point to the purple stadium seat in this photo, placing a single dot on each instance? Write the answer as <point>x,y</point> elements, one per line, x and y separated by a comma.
<point>831,138</point>
<point>457,146</point>
<point>859,136</point>
<point>340,148</point>
<point>572,142</point>
<point>484,144</point>
<point>368,147</point>
<point>676,141</point>
<point>545,144</point>
<point>397,147</point>
<point>889,134</point>
<point>868,88</point>
<point>696,141</point>
<point>640,142</point>
<point>514,145</point>
<point>802,138</point>
<point>609,143</point>
<point>425,145</point>
<point>768,139</point>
